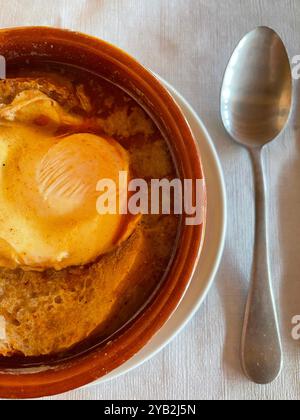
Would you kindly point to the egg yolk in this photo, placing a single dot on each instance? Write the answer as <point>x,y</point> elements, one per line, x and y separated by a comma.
<point>48,189</point>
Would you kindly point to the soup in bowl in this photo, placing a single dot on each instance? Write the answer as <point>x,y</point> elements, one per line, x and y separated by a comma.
<point>91,263</point>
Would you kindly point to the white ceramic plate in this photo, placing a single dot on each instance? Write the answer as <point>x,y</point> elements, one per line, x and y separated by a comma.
<point>212,250</point>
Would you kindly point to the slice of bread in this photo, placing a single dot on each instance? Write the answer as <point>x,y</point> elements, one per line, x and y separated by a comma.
<point>62,92</point>
<point>46,313</point>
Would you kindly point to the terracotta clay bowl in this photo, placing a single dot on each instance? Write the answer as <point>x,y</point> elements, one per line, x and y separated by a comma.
<point>56,45</point>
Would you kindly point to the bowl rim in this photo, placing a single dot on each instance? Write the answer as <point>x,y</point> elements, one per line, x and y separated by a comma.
<point>85,369</point>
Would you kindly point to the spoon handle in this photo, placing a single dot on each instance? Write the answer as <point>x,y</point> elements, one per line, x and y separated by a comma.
<point>261,345</point>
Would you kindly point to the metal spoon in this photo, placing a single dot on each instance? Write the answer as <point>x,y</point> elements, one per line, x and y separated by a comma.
<point>256,101</point>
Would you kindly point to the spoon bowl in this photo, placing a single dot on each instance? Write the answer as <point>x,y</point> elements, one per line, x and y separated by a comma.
<point>256,96</point>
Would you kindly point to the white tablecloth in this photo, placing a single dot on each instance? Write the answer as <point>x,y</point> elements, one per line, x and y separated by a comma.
<point>188,42</point>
